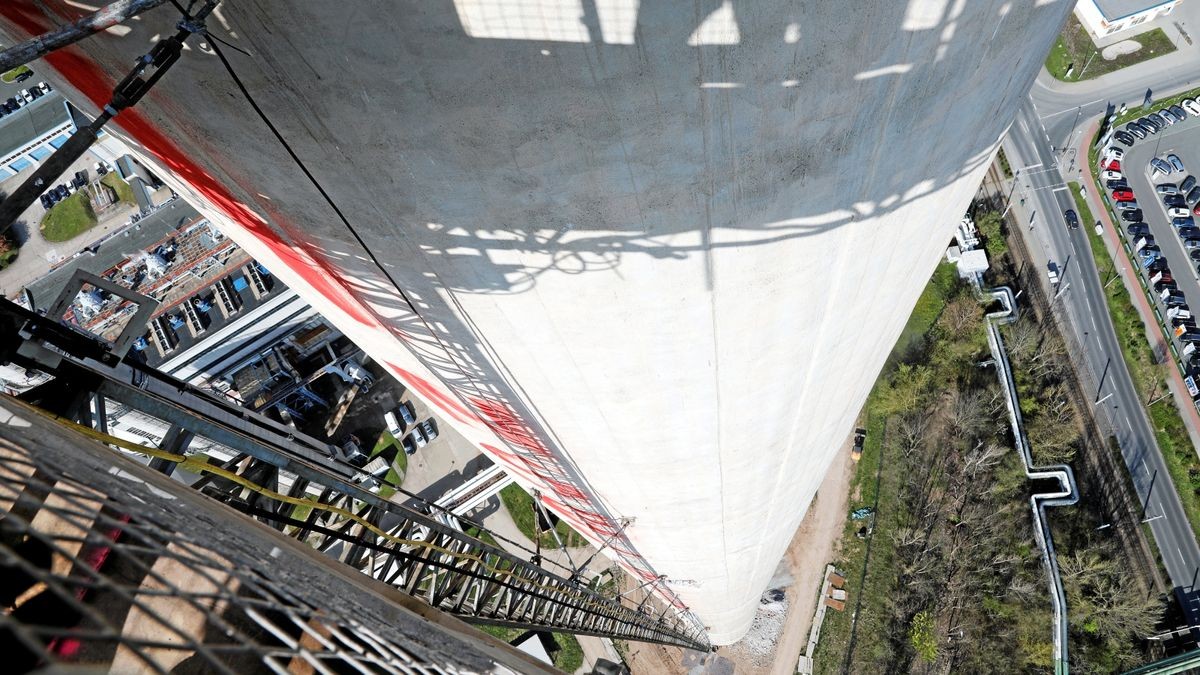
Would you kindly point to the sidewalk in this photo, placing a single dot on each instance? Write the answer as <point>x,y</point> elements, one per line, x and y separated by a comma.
<point>1128,273</point>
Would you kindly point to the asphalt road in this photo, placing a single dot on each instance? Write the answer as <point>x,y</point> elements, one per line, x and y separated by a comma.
<point>1046,197</point>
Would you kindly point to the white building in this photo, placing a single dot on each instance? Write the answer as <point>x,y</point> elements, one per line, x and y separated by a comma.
<point>1102,18</point>
<point>649,256</point>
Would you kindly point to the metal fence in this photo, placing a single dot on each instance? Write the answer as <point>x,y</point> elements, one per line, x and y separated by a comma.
<point>105,564</point>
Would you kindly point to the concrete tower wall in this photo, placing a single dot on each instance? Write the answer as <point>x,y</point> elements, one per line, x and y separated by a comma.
<point>657,253</point>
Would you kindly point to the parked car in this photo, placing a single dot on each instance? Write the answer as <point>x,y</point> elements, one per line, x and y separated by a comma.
<point>1127,206</point>
<point>1150,124</point>
<point>418,437</point>
<point>1134,216</point>
<point>392,422</point>
<point>1167,116</point>
<point>1176,163</point>
<point>1191,243</point>
<point>24,76</point>
<point>1187,184</point>
<point>1136,129</point>
<point>1149,252</point>
<point>1174,299</point>
<point>1123,195</point>
<point>1176,212</point>
<point>1183,222</point>
<point>1072,219</point>
<point>1196,210</point>
<point>1191,106</point>
<point>1111,165</point>
<point>1121,184</point>
<point>1138,228</point>
<point>427,427</point>
<point>1174,201</point>
<point>1193,196</point>
<point>1195,253</point>
<point>1158,166</point>
<point>1125,138</point>
<point>410,447</point>
<point>1179,112</point>
<point>44,87</point>
<point>1189,232</point>
<point>1166,189</point>
<point>1112,175</point>
<point>1113,152</point>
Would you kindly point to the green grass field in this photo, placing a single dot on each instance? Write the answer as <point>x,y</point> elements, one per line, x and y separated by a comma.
<point>520,507</point>
<point>123,190</point>
<point>1074,52</point>
<point>68,219</point>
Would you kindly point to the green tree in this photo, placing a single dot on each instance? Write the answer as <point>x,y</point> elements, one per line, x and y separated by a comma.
<point>906,389</point>
<point>922,635</point>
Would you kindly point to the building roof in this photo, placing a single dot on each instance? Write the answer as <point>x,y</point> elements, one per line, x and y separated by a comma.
<point>1117,9</point>
<point>33,121</point>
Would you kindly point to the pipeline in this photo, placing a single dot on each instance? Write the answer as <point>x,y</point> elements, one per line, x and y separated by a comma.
<point>1068,493</point>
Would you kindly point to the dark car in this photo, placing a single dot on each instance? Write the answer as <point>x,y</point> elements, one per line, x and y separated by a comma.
<point>1174,201</point>
<point>1193,196</point>
<point>1136,129</point>
<point>24,76</point>
<point>1124,138</point>
<point>1175,162</point>
<point>1133,216</point>
<point>1195,253</point>
<point>1121,184</point>
<point>1072,219</point>
<point>1174,299</point>
<point>1179,111</point>
<point>1187,184</point>
<point>1183,222</point>
<point>1166,189</point>
<point>1159,265</point>
<point>63,192</point>
<point>46,203</point>
<point>1189,232</point>
<point>1138,228</point>
<point>1152,122</point>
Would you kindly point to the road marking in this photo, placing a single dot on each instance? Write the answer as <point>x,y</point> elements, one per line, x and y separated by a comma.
<point>1145,468</point>
<point>1060,189</point>
<point>1130,428</point>
<point>1031,166</point>
<point>1180,552</point>
<point>1092,316</point>
<point>1078,107</point>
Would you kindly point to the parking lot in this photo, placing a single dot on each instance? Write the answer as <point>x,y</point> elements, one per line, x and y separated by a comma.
<point>1181,139</point>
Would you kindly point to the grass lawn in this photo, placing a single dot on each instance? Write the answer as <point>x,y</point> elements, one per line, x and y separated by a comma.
<point>520,507</point>
<point>1138,111</point>
<point>1074,51</point>
<point>1169,429</point>
<point>570,654</point>
<point>12,75</point>
<point>124,192</point>
<point>8,257</point>
<point>68,219</point>
<point>386,439</point>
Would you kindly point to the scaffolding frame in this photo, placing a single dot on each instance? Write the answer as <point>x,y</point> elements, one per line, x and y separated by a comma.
<point>405,546</point>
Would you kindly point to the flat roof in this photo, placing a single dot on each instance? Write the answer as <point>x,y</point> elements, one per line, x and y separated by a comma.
<point>1116,9</point>
<point>33,121</point>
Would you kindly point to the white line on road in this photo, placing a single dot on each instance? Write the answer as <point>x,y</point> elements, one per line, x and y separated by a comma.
<point>1060,112</point>
<point>1092,316</point>
<point>1144,467</point>
<point>1060,189</point>
<point>1180,552</point>
<point>1031,166</point>
<point>1154,518</point>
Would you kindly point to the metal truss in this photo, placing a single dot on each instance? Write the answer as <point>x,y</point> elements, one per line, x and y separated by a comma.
<point>106,566</point>
<point>300,487</point>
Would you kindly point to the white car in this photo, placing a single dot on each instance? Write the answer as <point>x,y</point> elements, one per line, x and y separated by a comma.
<point>399,419</point>
<point>26,95</point>
<point>1113,152</point>
<point>1190,105</point>
<point>1178,213</point>
<point>1113,175</point>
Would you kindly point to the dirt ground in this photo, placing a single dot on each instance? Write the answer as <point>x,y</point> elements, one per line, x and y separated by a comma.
<point>780,633</point>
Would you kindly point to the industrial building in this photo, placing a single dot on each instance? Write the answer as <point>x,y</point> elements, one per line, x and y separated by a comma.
<point>650,257</point>
<point>1103,18</point>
